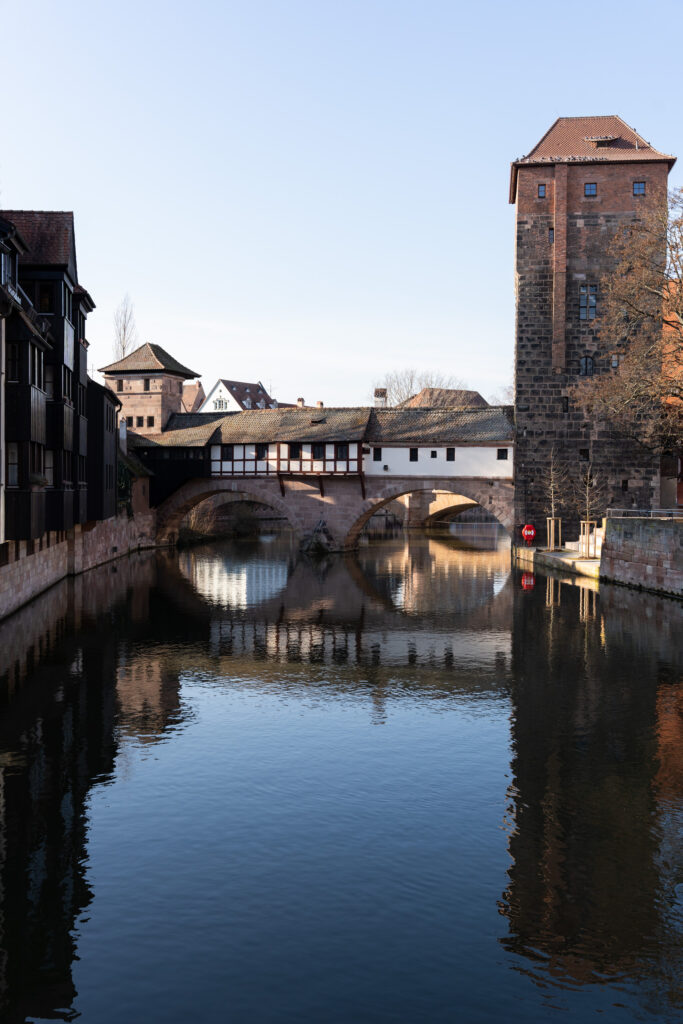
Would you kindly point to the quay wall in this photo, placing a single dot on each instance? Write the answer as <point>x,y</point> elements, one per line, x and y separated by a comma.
<point>644,553</point>
<point>33,566</point>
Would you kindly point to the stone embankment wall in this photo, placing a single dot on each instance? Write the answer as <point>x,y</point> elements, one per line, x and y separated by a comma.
<point>32,567</point>
<point>644,553</point>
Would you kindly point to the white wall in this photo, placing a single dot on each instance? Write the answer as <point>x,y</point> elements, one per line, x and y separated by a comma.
<point>219,391</point>
<point>469,461</point>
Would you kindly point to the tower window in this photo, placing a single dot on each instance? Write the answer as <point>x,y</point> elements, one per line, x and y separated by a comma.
<point>551,235</point>
<point>146,384</point>
<point>565,404</point>
<point>586,366</point>
<point>541,191</point>
<point>150,421</point>
<point>140,421</point>
<point>584,454</point>
<point>588,297</point>
<point>590,188</point>
<point>119,385</point>
<point>639,188</point>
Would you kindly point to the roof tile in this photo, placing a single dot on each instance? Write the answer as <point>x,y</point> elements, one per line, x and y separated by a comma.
<point>149,357</point>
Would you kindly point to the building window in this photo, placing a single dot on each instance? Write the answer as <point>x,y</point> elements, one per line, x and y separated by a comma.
<point>413,455</point>
<point>261,452</point>
<point>227,452</point>
<point>502,455</point>
<point>432,454</point>
<point>586,366</point>
<point>551,236</point>
<point>12,362</point>
<point>67,384</point>
<point>150,421</point>
<point>590,188</point>
<point>318,450</point>
<point>119,385</point>
<point>140,421</point>
<point>341,451</point>
<point>67,466</point>
<point>541,191</point>
<point>145,385</point>
<point>450,455</point>
<point>295,451</point>
<point>129,421</point>
<point>36,366</point>
<point>68,304</point>
<point>50,467</point>
<point>639,188</point>
<point>376,454</point>
<point>565,404</point>
<point>584,454</point>
<point>247,403</point>
<point>45,293</point>
<point>624,485</point>
<point>588,297</point>
<point>12,464</point>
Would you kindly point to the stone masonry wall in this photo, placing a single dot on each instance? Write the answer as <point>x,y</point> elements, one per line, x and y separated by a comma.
<point>27,575</point>
<point>644,553</point>
<point>551,338</point>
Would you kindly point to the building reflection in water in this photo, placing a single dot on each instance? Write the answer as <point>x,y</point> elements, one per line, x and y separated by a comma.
<point>595,888</point>
<point>593,678</point>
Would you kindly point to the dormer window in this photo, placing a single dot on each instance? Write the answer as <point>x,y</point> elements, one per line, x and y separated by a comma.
<point>247,403</point>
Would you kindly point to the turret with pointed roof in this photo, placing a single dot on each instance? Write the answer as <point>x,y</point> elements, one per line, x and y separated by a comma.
<point>149,384</point>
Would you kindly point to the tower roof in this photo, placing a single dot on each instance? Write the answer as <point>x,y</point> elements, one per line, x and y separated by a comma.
<point>150,358</point>
<point>599,139</point>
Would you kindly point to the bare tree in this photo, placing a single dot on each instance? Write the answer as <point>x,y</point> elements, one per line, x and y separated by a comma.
<point>638,387</point>
<point>404,384</point>
<point>125,331</point>
<point>555,486</point>
<point>589,494</point>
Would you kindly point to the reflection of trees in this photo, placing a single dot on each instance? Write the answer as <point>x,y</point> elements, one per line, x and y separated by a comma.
<point>592,734</point>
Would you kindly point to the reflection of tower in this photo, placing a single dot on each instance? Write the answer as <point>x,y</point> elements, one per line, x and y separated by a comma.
<point>583,889</point>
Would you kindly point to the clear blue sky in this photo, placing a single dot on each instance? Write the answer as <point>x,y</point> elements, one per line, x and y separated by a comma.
<point>312,193</point>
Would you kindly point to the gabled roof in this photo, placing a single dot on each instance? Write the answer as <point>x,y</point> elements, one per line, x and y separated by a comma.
<point>49,236</point>
<point>150,358</point>
<point>183,420</point>
<point>261,425</point>
<point>599,139</point>
<point>445,398</point>
<point>241,390</point>
<point>440,426</point>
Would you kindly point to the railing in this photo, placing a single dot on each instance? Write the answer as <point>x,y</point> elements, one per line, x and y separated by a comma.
<point>645,513</point>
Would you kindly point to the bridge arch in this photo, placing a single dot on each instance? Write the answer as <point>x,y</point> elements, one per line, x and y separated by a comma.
<point>172,511</point>
<point>494,496</point>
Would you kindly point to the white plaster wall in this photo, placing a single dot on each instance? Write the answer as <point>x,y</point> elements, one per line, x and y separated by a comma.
<point>469,461</point>
<point>219,391</point>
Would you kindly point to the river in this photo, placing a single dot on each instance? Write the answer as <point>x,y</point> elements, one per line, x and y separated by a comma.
<point>408,785</point>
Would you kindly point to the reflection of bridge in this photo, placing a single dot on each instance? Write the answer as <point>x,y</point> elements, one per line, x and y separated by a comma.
<point>334,467</point>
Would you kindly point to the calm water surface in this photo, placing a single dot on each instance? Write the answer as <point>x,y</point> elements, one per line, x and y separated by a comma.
<point>239,786</point>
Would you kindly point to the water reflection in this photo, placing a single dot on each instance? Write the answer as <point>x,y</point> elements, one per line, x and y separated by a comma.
<point>116,663</point>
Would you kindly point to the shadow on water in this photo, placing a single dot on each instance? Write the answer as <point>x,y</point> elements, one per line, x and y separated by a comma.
<point>572,821</point>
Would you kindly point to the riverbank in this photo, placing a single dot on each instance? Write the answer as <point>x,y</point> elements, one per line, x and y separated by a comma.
<point>31,567</point>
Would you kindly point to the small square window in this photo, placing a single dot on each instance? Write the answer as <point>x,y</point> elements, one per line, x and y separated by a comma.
<point>541,191</point>
<point>584,454</point>
<point>450,455</point>
<point>502,454</point>
<point>341,451</point>
<point>376,454</point>
<point>432,455</point>
<point>129,421</point>
<point>639,188</point>
<point>140,421</point>
<point>413,454</point>
<point>624,485</point>
<point>227,452</point>
<point>590,188</point>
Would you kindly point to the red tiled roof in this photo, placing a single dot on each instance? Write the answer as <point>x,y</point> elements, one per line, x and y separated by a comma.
<point>149,358</point>
<point>577,139</point>
<point>445,398</point>
<point>49,235</point>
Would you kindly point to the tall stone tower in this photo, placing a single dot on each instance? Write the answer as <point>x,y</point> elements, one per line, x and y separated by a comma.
<point>583,180</point>
<point>149,384</point>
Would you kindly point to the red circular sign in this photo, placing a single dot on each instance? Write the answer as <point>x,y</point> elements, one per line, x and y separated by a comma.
<point>528,581</point>
<point>528,532</point>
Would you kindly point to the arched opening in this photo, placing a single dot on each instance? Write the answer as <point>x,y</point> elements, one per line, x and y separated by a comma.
<point>430,504</point>
<point>231,515</point>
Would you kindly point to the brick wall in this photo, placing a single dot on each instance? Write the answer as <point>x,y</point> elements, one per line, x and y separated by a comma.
<point>32,568</point>
<point>551,338</point>
<point>644,553</point>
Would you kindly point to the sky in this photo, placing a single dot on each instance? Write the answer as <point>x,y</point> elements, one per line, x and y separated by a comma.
<point>312,193</point>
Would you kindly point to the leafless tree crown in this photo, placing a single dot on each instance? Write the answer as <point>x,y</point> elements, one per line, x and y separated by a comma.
<point>404,384</point>
<point>125,331</point>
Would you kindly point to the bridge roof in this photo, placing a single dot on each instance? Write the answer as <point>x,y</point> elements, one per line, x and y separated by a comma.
<point>295,424</point>
<point>440,426</point>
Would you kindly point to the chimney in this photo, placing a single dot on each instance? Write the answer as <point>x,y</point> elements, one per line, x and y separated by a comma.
<point>123,436</point>
<point>380,398</point>
<point>318,405</point>
<point>300,403</point>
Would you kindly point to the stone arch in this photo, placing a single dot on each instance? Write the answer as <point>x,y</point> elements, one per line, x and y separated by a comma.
<point>497,497</point>
<point>173,510</point>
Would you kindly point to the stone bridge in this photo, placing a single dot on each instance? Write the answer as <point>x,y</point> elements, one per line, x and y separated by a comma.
<point>344,508</point>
